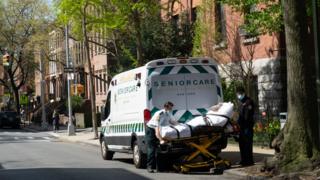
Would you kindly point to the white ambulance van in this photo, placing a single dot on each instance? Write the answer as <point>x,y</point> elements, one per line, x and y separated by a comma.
<point>191,84</point>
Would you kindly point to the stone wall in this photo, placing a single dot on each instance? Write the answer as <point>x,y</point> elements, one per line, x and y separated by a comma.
<point>271,90</point>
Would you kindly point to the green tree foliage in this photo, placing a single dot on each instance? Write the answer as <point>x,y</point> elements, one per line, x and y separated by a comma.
<point>229,90</point>
<point>22,24</point>
<point>113,19</point>
<point>261,16</point>
<point>160,39</point>
<point>76,103</point>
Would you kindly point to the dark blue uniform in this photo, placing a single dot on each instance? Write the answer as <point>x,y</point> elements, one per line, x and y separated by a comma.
<point>246,123</point>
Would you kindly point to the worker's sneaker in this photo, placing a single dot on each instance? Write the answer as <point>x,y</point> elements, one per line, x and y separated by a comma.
<point>150,170</point>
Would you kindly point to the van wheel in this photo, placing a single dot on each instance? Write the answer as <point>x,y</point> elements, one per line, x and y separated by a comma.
<point>139,159</point>
<point>105,153</point>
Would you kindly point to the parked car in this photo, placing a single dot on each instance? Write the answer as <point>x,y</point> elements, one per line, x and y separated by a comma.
<point>10,118</point>
<point>283,118</point>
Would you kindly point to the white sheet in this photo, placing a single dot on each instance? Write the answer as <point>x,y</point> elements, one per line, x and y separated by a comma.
<point>215,116</point>
<point>171,133</point>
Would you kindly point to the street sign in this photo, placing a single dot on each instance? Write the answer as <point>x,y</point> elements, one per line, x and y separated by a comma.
<point>23,99</point>
<point>68,70</point>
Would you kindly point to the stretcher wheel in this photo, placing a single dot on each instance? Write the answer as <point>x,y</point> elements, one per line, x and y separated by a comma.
<point>227,164</point>
<point>176,167</point>
<point>184,170</point>
<point>216,170</point>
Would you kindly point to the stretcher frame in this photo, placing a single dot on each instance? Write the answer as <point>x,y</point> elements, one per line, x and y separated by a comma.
<point>200,146</point>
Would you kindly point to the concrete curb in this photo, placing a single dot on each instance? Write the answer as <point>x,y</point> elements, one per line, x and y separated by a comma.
<point>66,139</point>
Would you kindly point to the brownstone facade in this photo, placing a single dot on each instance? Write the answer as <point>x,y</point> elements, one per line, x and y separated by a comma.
<point>224,39</point>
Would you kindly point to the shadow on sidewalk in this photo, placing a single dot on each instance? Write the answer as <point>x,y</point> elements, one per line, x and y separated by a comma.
<point>234,157</point>
<point>70,173</point>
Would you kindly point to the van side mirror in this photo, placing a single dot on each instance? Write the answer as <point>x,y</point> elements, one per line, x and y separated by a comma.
<point>139,83</point>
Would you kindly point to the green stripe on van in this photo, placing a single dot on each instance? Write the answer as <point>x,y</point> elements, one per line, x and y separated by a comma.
<point>140,127</point>
<point>200,69</point>
<point>174,112</point>
<point>219,91</point>
<point>166,70</point>
<point>214,68</point>
<point>154,110</point>
<point>184,70</point>
<point>202,110</point>
<point>186,116</point>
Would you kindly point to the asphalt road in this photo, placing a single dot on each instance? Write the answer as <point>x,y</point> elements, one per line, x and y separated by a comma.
<point>39,156</point>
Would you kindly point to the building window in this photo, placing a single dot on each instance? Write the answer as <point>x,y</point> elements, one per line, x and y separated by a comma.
<point>95,45</point>
<point>220,26</point>
<point>193,15</point>
<point>104,82</point>
<point>100,76</point>
<point>97,84</point>
<point>248,38</point>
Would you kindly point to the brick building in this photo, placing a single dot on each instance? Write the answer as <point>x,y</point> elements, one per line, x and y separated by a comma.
<point>56,79</point>
<point>226,41</point>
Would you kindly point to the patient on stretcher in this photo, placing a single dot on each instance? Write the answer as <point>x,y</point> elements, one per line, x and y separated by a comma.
<point>217,116</point>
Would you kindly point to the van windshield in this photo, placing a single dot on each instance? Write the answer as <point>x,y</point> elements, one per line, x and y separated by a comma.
<point>186,91</point>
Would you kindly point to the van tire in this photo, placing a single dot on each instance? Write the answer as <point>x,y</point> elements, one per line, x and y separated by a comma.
<point>105,153</point>
<point>139,158</point>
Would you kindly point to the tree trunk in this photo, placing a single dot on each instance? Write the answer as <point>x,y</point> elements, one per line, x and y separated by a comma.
<point>300,144</point>
<point>136,22</point>
<point>91,80</point>
<point>14,88</point>
<point>17,99</point>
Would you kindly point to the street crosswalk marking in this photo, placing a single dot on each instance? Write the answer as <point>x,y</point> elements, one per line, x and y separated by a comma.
<point>22,138</point>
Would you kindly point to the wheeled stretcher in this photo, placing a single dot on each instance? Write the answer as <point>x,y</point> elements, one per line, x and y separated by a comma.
<point>200,151</point>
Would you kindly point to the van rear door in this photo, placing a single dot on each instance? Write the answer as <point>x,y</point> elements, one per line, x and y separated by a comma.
<point>190,88</point>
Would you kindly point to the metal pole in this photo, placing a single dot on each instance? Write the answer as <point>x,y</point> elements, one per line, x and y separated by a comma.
<point>71,129</point>
<point>44,124</point>
<point>316,24</point>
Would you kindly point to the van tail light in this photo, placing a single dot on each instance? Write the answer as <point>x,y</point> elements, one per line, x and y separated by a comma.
<point>146,115</point>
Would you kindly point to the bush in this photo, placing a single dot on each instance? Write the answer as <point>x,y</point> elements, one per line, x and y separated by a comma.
<point>229,90</point>
<point>273,128</point>
<point>265,131</point>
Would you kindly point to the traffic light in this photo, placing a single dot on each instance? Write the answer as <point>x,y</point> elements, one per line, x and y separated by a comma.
<point>76,89</point>
<point>6,59</point>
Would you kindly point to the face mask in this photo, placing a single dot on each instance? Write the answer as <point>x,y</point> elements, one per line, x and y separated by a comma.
<point>240,96</point>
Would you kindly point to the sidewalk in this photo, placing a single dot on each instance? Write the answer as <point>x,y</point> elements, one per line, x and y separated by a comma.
<point>85,136</point>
